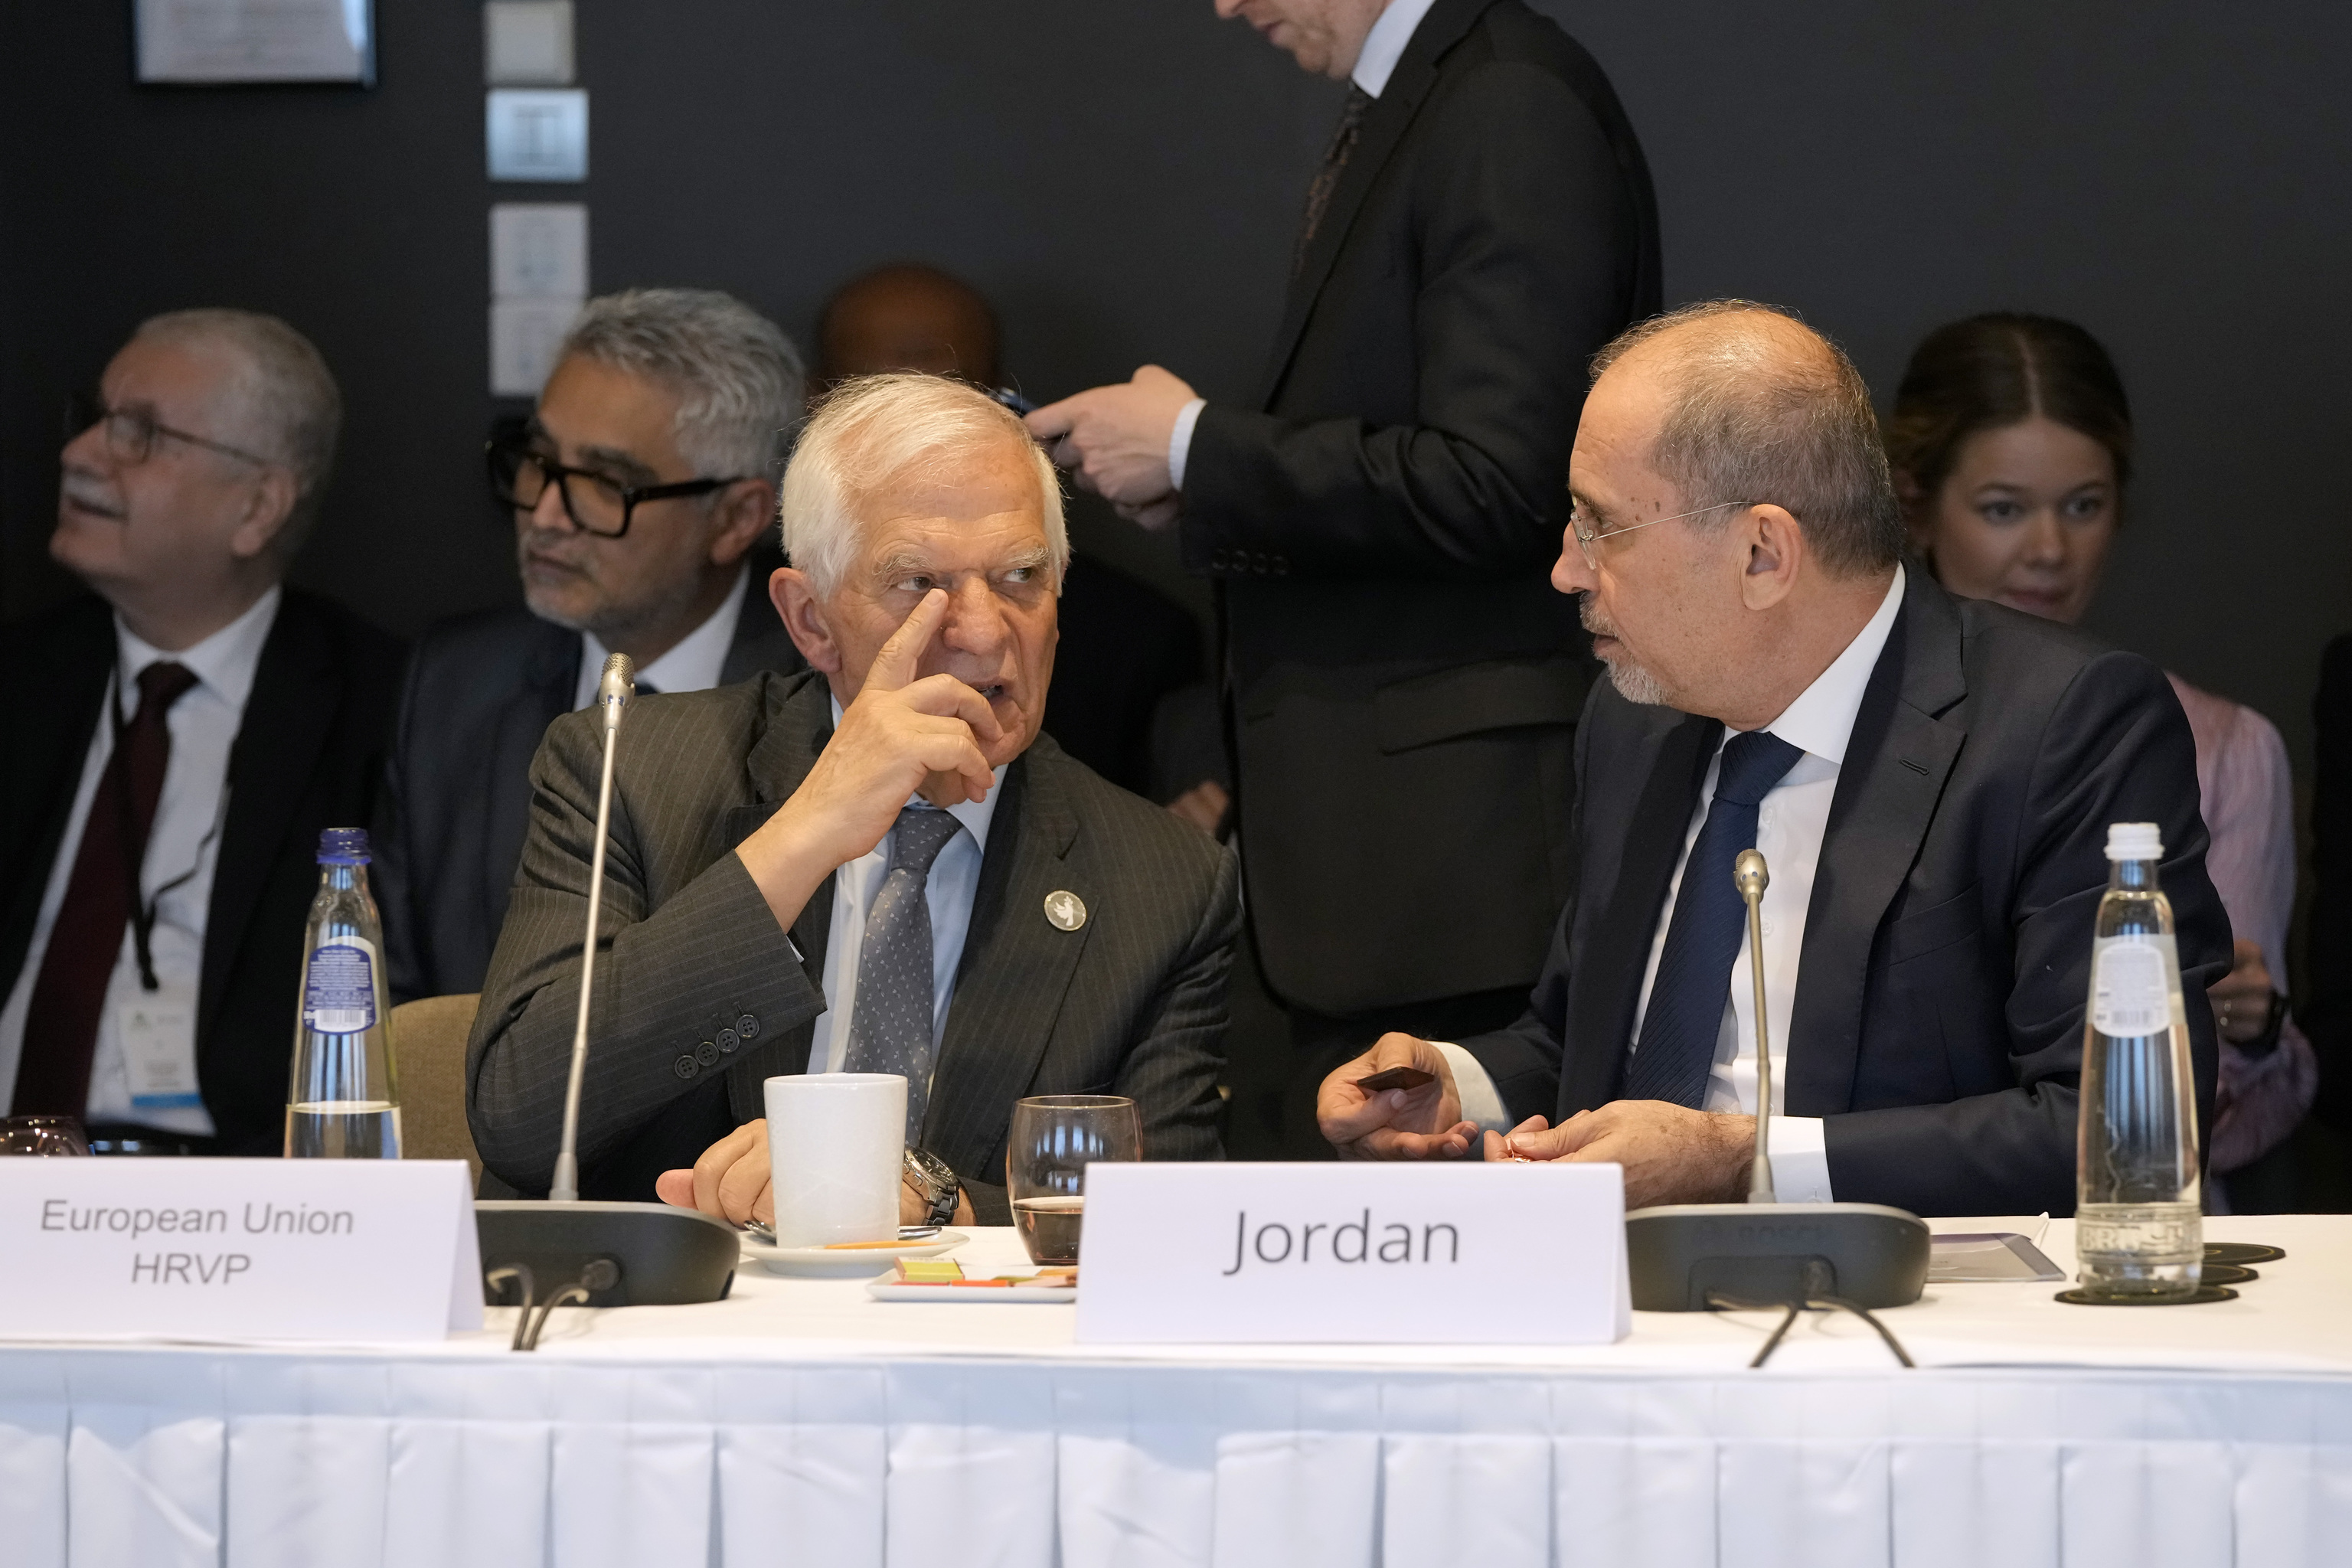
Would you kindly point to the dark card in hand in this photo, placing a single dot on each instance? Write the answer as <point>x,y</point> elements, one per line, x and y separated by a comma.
<point>1395,1077</point>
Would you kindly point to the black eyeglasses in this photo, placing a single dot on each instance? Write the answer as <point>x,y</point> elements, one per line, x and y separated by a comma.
<point>130,432</point>
<point>596,503</point>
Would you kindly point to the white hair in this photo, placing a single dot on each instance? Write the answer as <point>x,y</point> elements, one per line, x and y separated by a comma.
<point>875,432</point>
<point>739,379</point>
<point>291,405</point>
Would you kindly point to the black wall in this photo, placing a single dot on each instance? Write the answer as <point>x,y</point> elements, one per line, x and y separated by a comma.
<point>1123,179</point>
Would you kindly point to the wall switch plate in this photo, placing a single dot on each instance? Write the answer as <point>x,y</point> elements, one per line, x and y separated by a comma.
<point>527,43</point>
<point>538,250</point>
<point>538,134</point>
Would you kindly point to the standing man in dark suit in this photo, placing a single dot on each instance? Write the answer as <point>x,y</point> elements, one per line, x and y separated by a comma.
<point>1380,522</point>
<point>637,493</point>
<point>1931,781</point>
<point>184,733</point>
<point>879,865</point>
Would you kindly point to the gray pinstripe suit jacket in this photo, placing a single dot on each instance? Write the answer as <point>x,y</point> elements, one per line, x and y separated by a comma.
<point>699,997</point>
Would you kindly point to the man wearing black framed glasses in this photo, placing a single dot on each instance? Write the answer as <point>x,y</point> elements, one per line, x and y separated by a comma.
<point>181,734</point>
<point>636,492</point>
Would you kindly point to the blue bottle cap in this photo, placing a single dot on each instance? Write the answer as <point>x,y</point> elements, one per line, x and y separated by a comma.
<point>343,847</point>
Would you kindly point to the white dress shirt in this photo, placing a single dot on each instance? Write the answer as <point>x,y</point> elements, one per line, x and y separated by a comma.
<point>954,880</point>
<point>183,849</point>
<point>1791,821</point>
<point>1384,46</point>
<point>693,665</point>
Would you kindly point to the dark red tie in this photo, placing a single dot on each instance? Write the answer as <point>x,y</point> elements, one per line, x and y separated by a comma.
<point>61,1026</point>
<point>1327,176</point>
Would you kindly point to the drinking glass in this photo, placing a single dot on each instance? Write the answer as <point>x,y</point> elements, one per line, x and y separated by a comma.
<point>42,1135</point>
<point>1055,1137</point>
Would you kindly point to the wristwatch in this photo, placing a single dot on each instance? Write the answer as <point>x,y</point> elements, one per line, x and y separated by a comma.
<point>935,1183</point>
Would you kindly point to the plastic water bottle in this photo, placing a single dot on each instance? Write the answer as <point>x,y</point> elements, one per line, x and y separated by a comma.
<point>2137,1224</point>
<point>342,1102</point>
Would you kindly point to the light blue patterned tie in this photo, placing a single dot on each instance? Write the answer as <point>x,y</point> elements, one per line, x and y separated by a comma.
<point>891,1020</point>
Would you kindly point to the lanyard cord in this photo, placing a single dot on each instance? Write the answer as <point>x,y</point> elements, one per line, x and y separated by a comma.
<point>134,846</point>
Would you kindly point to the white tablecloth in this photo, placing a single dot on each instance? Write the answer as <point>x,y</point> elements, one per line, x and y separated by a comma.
<point>800,1423</point>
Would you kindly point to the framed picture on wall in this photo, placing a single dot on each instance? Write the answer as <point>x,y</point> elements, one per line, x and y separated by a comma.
<point>227,43</point>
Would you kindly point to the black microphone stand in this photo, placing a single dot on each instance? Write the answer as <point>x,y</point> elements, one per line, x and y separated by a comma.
<point>599,1254</point>
<point>1690,1257</point>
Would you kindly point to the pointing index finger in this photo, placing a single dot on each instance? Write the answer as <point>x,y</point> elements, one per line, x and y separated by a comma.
<point>895,666</point>
<point>1051,421</point>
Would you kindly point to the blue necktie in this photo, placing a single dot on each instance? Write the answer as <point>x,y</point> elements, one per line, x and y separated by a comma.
<point>1685,1020</point>
<point>890,1021</point>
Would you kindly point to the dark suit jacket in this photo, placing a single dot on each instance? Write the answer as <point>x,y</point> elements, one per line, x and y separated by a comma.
<point>1124,648</point>
<point>1131,1003</point>
<point>1938,1020</point>
<point>481,690</point>
<point>2326,1016</point>
<point>1382,528</point>
<point>309,755</point>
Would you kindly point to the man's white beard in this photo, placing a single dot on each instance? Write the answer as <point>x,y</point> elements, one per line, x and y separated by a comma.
<point>1635,684</point>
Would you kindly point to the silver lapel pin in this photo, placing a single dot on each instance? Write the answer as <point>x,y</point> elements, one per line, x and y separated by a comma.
<point>1065,909</point>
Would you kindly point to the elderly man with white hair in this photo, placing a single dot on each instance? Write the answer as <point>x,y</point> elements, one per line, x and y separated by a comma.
<point>876,864</point>
<point>183,731</point>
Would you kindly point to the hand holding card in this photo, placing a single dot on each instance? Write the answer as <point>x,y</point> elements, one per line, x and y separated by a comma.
<point>1395,1077</point>
<point>1396,1101</point>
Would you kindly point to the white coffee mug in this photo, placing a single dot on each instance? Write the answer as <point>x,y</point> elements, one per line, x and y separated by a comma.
<point>836,1145</point>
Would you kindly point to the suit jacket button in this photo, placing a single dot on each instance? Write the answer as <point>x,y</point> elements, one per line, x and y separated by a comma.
<point>748,1027</point>
<point>1219,561</point>
<point>685,1067</point>
<point>727,1041</point>
<point>707,1053</point>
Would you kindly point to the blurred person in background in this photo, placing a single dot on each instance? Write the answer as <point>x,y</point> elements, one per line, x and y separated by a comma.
<point>2011,446</point>
<point>185,730</point>
<point>636,494</point>
<point>1125,647</point>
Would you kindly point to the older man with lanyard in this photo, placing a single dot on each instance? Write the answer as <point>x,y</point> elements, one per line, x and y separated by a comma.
<point>183,732</point>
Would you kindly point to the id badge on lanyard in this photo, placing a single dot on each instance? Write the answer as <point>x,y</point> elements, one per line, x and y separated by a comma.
<point>157,1028</point>
<point>158,1033</point>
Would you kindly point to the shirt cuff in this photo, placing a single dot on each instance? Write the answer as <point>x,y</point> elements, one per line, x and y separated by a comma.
<point>1179,441</point>
<point>1801,1161</point>
<point>1481,1103</point>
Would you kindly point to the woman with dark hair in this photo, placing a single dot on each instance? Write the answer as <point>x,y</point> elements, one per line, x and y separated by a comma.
<point>2011,446</point>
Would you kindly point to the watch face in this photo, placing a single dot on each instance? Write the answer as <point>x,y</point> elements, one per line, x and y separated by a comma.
<point>930,1174</point>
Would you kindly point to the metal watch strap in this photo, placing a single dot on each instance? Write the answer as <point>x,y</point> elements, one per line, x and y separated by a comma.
<point>936,1179</point>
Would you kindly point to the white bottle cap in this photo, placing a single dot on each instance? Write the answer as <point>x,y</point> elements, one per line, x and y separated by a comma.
<point>2135,841</point>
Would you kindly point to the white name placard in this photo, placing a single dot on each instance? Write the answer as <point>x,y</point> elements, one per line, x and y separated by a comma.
<point>1358,1254</point>
<point>237,1250</point>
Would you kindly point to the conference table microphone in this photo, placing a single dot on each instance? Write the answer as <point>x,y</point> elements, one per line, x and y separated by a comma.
<point>1690,1257</point>
<point>596,1253</point>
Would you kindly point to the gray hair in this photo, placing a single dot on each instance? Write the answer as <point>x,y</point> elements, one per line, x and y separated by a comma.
<point>1764,408</point>
<point>739,379</point>
<point>873,432</point>
<point>290,404</point>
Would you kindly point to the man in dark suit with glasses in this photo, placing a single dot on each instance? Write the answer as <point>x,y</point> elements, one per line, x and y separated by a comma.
<point>157,861</point>
<point>637,492</point>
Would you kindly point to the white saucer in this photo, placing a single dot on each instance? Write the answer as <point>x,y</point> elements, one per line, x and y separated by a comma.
<point>837,1262</point>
